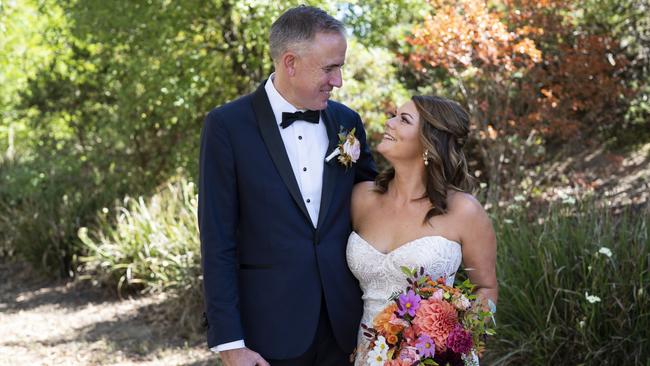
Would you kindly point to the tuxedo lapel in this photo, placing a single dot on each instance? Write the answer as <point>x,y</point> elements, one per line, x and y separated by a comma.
<point>273,140</point>
<point>330,170</point>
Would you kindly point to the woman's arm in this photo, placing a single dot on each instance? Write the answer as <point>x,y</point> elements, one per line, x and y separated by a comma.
<point>479,247</point>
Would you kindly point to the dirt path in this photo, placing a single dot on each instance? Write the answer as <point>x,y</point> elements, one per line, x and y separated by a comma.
<point>46,322</point>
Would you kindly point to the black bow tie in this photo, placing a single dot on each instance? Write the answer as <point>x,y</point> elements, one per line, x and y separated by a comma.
<point>308,116</point>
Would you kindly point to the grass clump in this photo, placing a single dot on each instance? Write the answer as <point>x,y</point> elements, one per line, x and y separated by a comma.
<point>574,286</point>
<point>150,246</point>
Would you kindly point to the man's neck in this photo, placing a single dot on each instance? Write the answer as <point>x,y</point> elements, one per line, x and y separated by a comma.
<point>284,89</point>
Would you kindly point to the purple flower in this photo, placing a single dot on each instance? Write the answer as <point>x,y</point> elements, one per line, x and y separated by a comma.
<point>408,303</point>
<point>460,340</point>
<point>425,346</point>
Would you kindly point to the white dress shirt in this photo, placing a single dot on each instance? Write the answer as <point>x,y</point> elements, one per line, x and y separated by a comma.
<point>306,145</point>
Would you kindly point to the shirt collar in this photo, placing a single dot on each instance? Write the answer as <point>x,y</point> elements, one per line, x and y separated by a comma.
<point>278,103</point>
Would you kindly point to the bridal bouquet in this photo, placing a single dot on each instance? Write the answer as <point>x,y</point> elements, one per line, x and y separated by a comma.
<point>429,323</point>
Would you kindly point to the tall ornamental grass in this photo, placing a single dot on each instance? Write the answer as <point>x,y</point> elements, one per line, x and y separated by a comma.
<point>150,246</point>
<point>574,286</point>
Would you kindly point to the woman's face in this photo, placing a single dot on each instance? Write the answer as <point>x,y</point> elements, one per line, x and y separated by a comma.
<point>401,140</point>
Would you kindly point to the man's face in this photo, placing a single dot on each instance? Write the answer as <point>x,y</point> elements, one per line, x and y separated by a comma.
<point>317,71</point>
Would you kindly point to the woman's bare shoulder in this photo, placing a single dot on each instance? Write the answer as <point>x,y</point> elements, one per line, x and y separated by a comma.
<point>363,192</point>
<point>364,198</point>
<point>467,212</point>
<point>465,205</point>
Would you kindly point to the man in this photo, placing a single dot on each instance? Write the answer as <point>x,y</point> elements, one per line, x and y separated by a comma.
<point>274,213</point>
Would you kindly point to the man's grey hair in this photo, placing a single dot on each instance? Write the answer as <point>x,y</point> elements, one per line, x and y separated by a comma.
<point>299,25</point>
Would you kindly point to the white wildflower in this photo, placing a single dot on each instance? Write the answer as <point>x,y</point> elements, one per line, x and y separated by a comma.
<point>591,298</point>
<point>605,251</point>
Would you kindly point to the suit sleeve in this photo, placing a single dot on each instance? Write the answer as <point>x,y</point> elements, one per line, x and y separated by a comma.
<point>365,169</point>
<point>217,214</point>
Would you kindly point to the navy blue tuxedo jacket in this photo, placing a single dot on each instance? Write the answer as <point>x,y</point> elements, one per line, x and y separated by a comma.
<point>265,265</point>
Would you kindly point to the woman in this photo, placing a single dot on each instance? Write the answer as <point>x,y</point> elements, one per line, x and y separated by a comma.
<point>419,213</point>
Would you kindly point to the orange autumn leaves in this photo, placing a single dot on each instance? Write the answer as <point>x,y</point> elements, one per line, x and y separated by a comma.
<point>464,33</point>
<point>522,65</point>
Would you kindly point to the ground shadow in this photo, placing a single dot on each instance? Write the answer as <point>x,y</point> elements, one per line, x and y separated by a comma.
<point>147,328</point>
<point>23,288</point>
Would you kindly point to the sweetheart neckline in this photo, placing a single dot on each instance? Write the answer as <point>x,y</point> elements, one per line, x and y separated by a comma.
<point>403,244</point>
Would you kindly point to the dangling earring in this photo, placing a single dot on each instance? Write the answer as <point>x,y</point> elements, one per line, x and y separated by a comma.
<point>425,157</point>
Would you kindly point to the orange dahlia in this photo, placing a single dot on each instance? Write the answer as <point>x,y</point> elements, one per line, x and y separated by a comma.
<point>436,319</point>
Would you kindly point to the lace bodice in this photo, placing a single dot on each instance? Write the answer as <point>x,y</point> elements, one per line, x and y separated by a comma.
<point>380,275</point>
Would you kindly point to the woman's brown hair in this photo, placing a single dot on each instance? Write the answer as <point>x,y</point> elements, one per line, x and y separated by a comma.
<point>444,126</point>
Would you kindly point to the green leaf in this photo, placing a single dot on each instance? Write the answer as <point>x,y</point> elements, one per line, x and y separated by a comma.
<point>408,272</point>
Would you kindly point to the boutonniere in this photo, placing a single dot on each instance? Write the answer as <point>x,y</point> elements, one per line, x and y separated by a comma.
<point>348,149</point>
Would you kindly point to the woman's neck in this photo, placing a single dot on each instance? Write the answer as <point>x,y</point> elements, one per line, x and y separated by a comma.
<point>408,184</point>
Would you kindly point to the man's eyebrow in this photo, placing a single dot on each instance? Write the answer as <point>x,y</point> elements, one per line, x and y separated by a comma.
<point>334,65</point>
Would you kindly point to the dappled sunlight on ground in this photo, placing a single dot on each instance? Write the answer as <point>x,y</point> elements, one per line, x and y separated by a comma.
<point>45,322</point>
<point>614,179</point>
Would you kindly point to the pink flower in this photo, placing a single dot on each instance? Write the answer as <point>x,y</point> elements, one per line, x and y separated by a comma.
<point>352,147</point>
<point>398,362</point>
<point>436,319</point>
<point>398,321</point>
<point>409,335</point>
<point>460,340</point>
<point>437,296</point>
<point>460,302</point>
<point>409,354</point>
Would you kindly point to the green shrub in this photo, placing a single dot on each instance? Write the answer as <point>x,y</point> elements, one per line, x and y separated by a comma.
<point>574,288</point>
<point>150,246</point>
<point>43,202</point>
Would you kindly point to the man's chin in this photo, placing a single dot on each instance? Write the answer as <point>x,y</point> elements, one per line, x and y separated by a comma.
<point>320,106</point>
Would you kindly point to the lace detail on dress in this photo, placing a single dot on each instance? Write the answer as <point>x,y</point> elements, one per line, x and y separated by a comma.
<point>380,276</point>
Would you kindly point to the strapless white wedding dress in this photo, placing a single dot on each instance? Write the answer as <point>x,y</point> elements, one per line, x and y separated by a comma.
<point>380,274</point>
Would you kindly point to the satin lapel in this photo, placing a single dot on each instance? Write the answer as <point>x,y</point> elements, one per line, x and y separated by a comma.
<point>331,170</point>
<point>273,140</point>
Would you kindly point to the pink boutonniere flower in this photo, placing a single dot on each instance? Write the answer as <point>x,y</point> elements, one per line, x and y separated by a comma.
<point>348,150</point>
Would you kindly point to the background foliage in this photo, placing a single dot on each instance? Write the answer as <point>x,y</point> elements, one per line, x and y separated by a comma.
<point>547,313</point>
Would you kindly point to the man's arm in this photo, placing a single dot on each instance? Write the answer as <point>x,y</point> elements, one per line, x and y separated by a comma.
<point>218,212</point>
<point>365,169</point>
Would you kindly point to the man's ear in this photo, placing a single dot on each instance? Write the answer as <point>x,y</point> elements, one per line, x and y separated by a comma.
<point>288,62</point>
